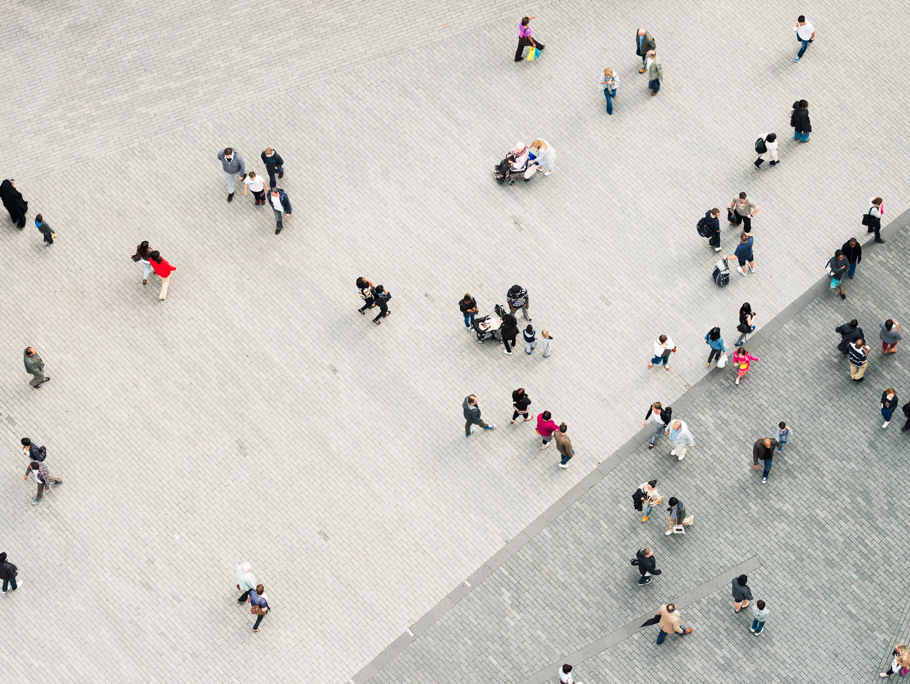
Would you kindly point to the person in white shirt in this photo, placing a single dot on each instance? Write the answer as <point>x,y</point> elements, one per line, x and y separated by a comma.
<point>875,210</point>
<point>805,34</point>
<point>256,184</point>
<point>608,83</point>
<point>662,349</point>
<point>565,675</point>
<point>770,153</point>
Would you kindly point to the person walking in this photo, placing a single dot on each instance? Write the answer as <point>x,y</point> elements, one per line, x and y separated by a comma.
<point>655,72</point>
<point>274,164</point>
<point>520,403</point>
<point>280,203</point>
<point>546,343</point>
<point>647,565</point>
<point>837,267</point>
<point>784,432</point>
<point>742,594</point>
<point>381,296</point>
<point>544,158</point>
<point>471,410</point>
<point>43,477</point>
<point>8,573</point>
<point>508,332</point>
<point>525,38</point>
<point>770,153</point>
<point>246,581</point>
<point>31,451</point>
<point>45,230</point>
<point>34,366</point>
<point>712,228</point>
<point>854,253</point>
<point>716,342</point>
<point>232,164</point>
<point>799,119</point>
<point>163,270</point>
<point>663,347</point>
<point>805,34</point>
<point>546,427</point>
<point>849,332</point>
<point>900,661</point>
<point>517,298</point>
<point>13,202</point>
<point>890,334</point>
<point>661,417</point>
<point>889,403</point>
<point>763,450</point>
<point>681,439</point>
<point>742,360</point>
<point>873,218</point>
<point>742,210</point>
<point>143,252</point>
<point>644,43</point>
<point>743,254</point>
<point>906,411</point>
<point>670,623</point>
<point>365,290</point>
<point>530,338</point>
<point>760,614</point>
<point>564,446</point>
<point>565,675</point>
<point>468,309</point>
<point>259,605</point>
<point>859,359</point>
<point>256,185</point>
<point>648,499</point>
<point>678,515</point>
<point>608,83</point>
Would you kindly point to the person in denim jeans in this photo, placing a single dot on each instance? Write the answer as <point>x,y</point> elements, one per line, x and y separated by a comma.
<point>760,613</point>
<point>608,82</point>
<point>763,450</point>
<point>670,623</point>
<point>782,436</point>
<point>805,34</point>
<point>662,350</point>
<point>258,598</point>
<point>802,127</point>
<point>468,309</point>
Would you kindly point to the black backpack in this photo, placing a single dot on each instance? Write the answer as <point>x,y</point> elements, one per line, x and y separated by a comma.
<point>384,295</point>
<point>42,453</point>
<point>760,146</point>
<point>702,227</point>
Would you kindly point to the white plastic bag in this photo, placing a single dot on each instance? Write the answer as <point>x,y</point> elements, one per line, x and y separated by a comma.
<point>722,361</point>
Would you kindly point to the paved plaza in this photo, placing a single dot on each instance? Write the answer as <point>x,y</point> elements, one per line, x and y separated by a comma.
<point>253,415</point>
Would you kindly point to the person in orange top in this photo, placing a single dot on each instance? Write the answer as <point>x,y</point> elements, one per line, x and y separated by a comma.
<point>741,360</point>
<point>163,270</point>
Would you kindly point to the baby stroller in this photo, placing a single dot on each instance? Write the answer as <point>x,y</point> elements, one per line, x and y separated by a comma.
<point>488,327</point>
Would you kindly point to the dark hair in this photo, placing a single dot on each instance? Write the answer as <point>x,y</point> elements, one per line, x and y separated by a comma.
<point>715,211</point>
<point>838,253</point>
<point>379,288</point>
<point>782,425</point>
<point>228,150</point>
<point>801,18</point>
<point>714,333</point>
<point>563,427</point>
<point>361,282</point>
<point>671,606</point>
<point>662,339</point>
<point>761,605</point>
<point>771,137</point>
<point>26,441</point>
<point>854,323</point>
<point>742,580</point>
<point>743,195</point>
<point>34,465</point>
<point>259,588</point>
<point>3,557</point>
<point>530,328</point>
<point>673,501</point>
<point>547,415</point>
<point>517,394</point>
<point>852,240</point>
<point>803,104</point>
<point>39,218</point>
<point>155,256</point>
<point>745,308</point>
<point>467,296</point>
<point>144,244</point>
<point>889,324</point>
<point>524,21</point>
<point>565,668</point>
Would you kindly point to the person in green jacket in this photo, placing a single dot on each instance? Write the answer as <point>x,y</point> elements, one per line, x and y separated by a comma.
<point>34,366</point>
<point>655,72</point>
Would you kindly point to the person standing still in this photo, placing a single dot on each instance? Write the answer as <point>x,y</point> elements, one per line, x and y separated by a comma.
<point>246,581</point>
<point>34,366</point>
<point>854,253</point>
<point>890,334</point>
<point>232,164</point>
<point>859,359</point>
<point>650,498</point>
<point>471,411</point>
<point>655,72</point>
<point>678,515</point>
<point>468,309</point>
<point>644,43</point>
<point>760,614</point>
<point>13,202</point>
<point>802,127</point>
<point>280,203</point>
<point>274,164</point>
<point>837,267</point>
<point>43,477</point>
<point>517,298</point>
<point>873,218</point>
<point>742,210</point>
<point>163,270</point>
<point>8,573</point>
<point>763,450</point>
<point>564,446</point>
<point>663,347</point>
<point>520,403</point>
<point>743,254</point>
<point>259,605</point>
<point>889,403</point>
<point>712,228</point>
<point>770,153</point>
<point>45,230</point>
<point>662,417</point>
<point>546,343</point>
<point>670,623</point>
<point>805,34</point>
<point>681,439</point>
<point>508,332</point>
<point>530,337</point>
<point>742,594</point>
<point>608,82</point>
<point>525,38</point>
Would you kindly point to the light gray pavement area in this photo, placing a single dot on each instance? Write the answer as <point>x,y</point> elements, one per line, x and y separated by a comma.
<point>255,416</point>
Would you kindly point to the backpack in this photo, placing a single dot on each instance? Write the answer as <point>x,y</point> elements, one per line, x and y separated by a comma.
<point>384,295</point>
<point>42,453</point>
<point>702,227</point>
<point>760,146</point>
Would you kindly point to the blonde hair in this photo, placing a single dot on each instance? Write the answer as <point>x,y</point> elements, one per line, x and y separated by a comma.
<point>608,72</point>
<point>539,144</point>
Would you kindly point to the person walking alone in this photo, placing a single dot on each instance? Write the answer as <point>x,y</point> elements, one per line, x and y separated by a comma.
<point>849,332</point>
<point>889,403</point>
<point>647,565</point>
<point>232,164</point>
<point>760,614</point>
<point>805,34</point>
<point>13,202</point>
<point>742,360</point>
<point>802,127</point>
<point>678,515</point>
<point>655,72</point>
<point>854,253</point>
<point>663,347</point>
<point>890,334</point>
<point>43,477</point>
<point>8,573</point>
<point>546,427</point>
<point>45,230</point>
<point>644,43</point>
<point>837,267</point>
<point>670,623</point>
<point>508,332</point>
<point>525,38</point>
<point>743,254</point>
<point>280,203</point>
<point>471,411</point>
<point>163,270</point>
<point>468,309</point>
<point>259,605</point>
<point>716,342</point>
<point>564,446</point>
<point>859,359</point>
<point>246,581</point>
<point>274,164</point>
<point>681,439</point>
<point>520,403</point>
<point>742,211</point>
<point>900,661</point>
<point>763,450</point>
<point>770,153</point>
<point>662,417</point>
<point>608,83</point>
<point>742,594</point>
<point>34,366</point>
<point>565,675</point>
<point>873,218</point>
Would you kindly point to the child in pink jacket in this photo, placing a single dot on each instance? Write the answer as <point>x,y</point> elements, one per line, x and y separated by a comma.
<point>741,359</point>
<point>546,428</point>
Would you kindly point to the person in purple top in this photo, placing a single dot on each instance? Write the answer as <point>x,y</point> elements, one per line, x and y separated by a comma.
<point>525,39</point>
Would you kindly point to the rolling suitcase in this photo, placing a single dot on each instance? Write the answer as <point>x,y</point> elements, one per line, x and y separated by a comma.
<point>722,273</point>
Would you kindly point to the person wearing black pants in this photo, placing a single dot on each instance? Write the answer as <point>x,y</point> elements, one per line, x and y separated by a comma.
<point>509,332</point>
<point>520,401</point>
<point>274,164</point>
<point>258,598</point>
<point>874,222</point>
<point>906,410</point>
<point>381,297</point>
<point>712,227</point>
<point>525,39</point>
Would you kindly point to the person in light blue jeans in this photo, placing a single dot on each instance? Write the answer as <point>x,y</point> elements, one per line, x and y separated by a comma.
<point>782,436</point>
<point>760,613</point>
<point>142,256</point>
<point>608,82</point>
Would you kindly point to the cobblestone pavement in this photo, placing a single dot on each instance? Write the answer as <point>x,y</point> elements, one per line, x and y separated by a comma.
<point>254,415</point>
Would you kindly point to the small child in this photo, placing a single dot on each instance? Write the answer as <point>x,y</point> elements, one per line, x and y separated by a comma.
<point>257,185</point>
<point>45,230</point>
<point>783,435</point>
<point>546,343</point>
<point>530,339</point>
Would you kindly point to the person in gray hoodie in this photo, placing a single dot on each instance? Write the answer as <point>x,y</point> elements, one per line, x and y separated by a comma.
<point>681,438</point>
<point>742,594</point>
<point>231,164</point>
<point>472,416</point>
<point>34,366</point>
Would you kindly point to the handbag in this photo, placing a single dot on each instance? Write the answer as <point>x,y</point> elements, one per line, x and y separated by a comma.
<point>869,219</point>
<point>533,53</point>
<point>258,610</point>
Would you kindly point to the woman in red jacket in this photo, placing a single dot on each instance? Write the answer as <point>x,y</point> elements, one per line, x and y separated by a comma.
<point>163,270</point>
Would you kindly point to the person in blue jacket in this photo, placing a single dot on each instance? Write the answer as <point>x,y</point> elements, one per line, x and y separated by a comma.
<point>716,342</point>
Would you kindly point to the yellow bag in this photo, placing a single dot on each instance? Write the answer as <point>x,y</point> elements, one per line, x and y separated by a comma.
<point>533,52</point>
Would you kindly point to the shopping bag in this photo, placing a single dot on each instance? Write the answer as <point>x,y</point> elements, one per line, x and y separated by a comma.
<point>722,361</point>
<point>533,52</point>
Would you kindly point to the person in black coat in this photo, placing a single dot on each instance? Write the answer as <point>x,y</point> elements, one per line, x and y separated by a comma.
<point>274,164</point>
<point>889,403</point>
<point>647,565</point>
<point>520,402</point>
<point>712,228</point>
<point>849,332</point>
<point>802,127</point>
<point>8,573</point>
<point>12,200</point>
<point>906,410</point>
<point>854,253</point>
<point>509,332</point>
<point>742,594</point>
